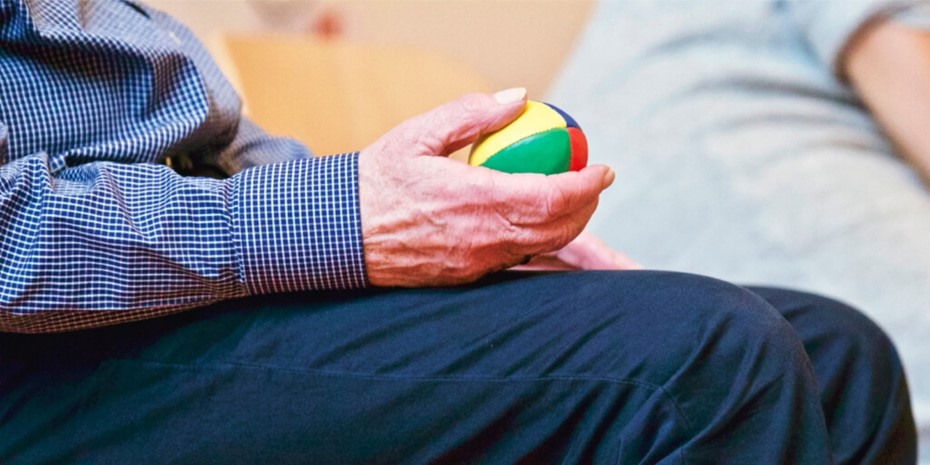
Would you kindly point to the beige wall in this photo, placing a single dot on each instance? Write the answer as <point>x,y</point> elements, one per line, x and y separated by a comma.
<point>510,42</point>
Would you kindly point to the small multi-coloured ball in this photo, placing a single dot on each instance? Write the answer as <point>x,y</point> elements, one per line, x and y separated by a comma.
<point>543,139</point>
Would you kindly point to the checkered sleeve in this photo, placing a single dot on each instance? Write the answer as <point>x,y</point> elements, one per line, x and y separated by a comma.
<point>130,186</point>
<point>106,243</point>
<point>292,234</point>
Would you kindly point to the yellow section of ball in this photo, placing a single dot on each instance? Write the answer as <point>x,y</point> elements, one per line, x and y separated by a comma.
<point>536,117</point>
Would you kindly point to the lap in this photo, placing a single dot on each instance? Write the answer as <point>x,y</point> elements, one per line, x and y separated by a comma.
<point>433,332</point>
<point>386,370</point>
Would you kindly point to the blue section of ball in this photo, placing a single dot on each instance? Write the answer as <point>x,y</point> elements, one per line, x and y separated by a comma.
<point>569,122</point>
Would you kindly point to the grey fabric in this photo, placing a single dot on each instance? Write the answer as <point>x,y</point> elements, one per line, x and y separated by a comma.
<point>741,155</point>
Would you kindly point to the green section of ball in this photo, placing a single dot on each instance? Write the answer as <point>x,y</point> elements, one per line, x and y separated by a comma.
<point>547,152</point>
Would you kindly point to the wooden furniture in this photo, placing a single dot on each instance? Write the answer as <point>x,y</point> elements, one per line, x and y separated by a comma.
<point>338,96</point>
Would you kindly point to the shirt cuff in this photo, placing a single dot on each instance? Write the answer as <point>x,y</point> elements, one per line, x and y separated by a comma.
<point>830,24</point>
<point>297,225</point>
<point>916,16</point>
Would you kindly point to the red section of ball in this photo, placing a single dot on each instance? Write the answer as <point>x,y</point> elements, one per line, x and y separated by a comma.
<point>579,149</point>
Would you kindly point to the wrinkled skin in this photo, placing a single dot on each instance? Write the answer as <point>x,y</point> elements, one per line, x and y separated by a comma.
<point>428,220</point>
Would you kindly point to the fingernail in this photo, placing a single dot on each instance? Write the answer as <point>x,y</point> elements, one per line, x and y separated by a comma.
<point>506,97</point>
<point>609,178</point>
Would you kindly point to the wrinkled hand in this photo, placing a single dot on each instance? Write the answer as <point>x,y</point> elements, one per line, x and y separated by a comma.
<point>586,252</point>
<point>428,220</point>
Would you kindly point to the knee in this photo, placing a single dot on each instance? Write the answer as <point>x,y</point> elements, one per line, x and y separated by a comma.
<point>709,309</point>
<point>655,326</point>
<point>721,354</point>
<point>733,328</point>
<point>685,321</point>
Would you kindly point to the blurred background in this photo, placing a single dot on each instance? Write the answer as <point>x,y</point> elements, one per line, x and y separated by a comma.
<point>360,53</point>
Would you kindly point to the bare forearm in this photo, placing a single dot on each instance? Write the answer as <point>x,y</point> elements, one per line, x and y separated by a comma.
<point>889,65</point>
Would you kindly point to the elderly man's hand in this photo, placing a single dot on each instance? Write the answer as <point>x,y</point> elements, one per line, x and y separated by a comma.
<point>428,220</point>
<point>586,252</point>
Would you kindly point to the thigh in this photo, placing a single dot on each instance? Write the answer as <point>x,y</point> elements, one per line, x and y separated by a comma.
<point>579,367</point>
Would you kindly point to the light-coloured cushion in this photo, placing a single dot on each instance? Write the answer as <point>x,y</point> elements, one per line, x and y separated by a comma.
<point>741,156</point>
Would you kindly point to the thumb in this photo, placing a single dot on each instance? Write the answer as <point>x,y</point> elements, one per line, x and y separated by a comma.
<point>451,126</point>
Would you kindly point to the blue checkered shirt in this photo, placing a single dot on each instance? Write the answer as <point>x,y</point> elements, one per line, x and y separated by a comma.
<point>97,99</point>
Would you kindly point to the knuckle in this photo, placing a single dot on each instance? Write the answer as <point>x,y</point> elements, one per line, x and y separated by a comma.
<point>471,103</point>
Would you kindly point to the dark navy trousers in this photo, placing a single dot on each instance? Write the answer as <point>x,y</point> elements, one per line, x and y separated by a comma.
<point>587,367</point>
